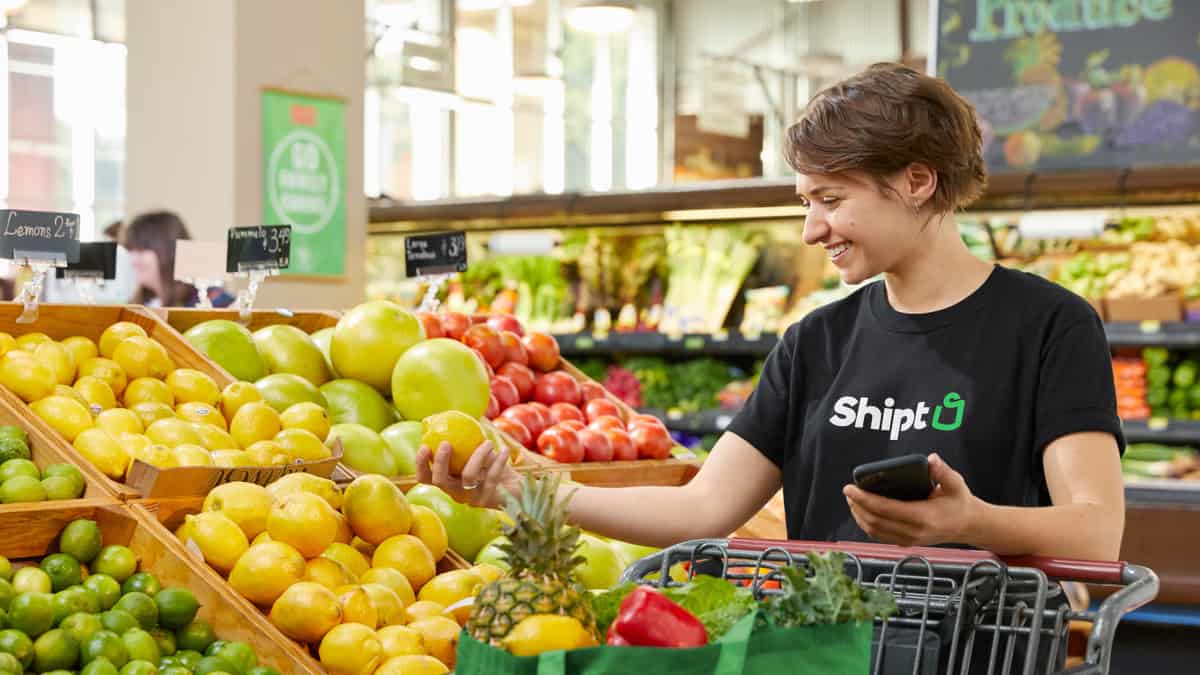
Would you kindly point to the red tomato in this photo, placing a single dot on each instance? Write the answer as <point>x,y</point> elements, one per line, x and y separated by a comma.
<point>493,408</point>
<point>431,324</point>
<point>601,407</point>
<point>514,351</point>
<point>521,376</point>
<point>645,419</point>
<point>506,322</point>
<point>543,351</point>
<point>607,422</point>
<point>573,425</point>
<point>596,446</point>
<point>454,324</point>
<point>477,319</point>
<point>517,431</point>
<point>561,412</point>
<point>651,442</point>
<point>591,390</point>
<point>526,417</point>
<point>487,342</point>
<point>543,411</point>
<point>622,445</point>
<point>505,392</point>
<point>556,387</point>
<point>561,444</point>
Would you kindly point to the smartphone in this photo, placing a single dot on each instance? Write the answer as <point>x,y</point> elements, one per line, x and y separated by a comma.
<point>904,478</point>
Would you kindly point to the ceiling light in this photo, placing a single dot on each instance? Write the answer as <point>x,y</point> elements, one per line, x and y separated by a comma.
<point>601,17</point>
<point>11,6</point>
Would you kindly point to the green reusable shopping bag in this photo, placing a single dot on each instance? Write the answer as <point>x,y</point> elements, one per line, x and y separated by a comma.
<point>841,649</point>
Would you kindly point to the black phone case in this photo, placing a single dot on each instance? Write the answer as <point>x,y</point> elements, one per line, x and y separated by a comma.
<point>903,478</point>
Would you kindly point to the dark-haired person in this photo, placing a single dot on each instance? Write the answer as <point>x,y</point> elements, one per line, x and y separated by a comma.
<point>1003,378</point>
<point>150,239</point>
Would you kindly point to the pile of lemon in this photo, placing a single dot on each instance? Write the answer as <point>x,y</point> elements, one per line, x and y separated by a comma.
<point>352,573</point>
<point>124,399</point>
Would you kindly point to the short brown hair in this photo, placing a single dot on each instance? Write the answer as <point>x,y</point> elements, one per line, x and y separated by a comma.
<point>885,118</point>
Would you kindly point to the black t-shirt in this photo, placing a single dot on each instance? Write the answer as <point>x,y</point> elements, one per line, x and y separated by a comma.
<point>987,383</point>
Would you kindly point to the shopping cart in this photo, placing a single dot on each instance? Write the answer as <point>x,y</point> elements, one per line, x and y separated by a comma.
<point>958,611</point>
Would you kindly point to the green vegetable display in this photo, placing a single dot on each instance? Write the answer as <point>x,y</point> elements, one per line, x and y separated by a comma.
<point>687,386</point>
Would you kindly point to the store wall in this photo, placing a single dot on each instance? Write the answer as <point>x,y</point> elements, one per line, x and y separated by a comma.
<point>195,72</point>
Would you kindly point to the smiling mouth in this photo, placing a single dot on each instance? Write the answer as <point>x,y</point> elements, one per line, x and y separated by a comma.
<point>836,252</point>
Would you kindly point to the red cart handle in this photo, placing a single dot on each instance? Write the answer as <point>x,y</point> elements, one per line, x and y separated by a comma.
<point>1095,571</point>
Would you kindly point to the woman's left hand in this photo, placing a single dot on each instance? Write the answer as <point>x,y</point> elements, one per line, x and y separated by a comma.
<point>944,518</point>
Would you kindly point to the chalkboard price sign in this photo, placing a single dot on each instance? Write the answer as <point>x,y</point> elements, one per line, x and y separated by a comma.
<point>97,260</point>
<point>39,235</point>
<point>440,253</point>
<point>262,247</point>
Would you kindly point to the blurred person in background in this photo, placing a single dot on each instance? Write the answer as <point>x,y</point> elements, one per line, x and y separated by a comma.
<point>150,239</point>
<point>114,291</point>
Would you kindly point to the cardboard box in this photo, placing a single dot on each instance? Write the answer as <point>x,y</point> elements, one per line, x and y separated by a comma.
<point>1162,308</point>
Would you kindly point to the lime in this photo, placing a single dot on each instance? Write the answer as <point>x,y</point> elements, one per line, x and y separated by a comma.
<point>118,621</point>
<point>189,658</point>
<point>169,662</point>
<point>215,664</point>
<point>74,600</point>
<point>214,647</point>
<point>117,562</point>
<point>6,569</point>
<point>55,650</point>
<point>262,670</point>
<point>67,470</point>
<point>105,644</point>
<point>19,467</point>
<point>31,580</point>
<point>240,654</point>
<point>31,613</point>
<point>165,640</point>
<point>196,636</point>
<point>64,571</point>
<point>7,593</point>
<point>58,488</point>
<point>106,589</point>
<point>3,619</point>
<point>139,668</point>
<point>173,670</point>
<point>81,627</point>
<point>142,582</point>
<point>141,606</point>
<point>141,646</point>
<point>22,489</point>
<point>18,644</point>
<point>81,540</point>
<point>100,666</point>
<point>10,663</point>
<point>176,607</point>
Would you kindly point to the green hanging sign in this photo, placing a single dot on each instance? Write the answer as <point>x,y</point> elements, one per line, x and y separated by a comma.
<point>304,177</point>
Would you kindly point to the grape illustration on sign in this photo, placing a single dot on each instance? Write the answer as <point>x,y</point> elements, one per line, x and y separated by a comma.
<point>304,177</point>
<point>1077,84</point>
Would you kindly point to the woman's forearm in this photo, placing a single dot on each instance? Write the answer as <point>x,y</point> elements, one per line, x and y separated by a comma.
<point>1084,531</point>
<point>650,516</point>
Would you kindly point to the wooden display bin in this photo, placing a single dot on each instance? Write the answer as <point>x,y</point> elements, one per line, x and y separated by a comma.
<point>169,514</point>
<point>46,449</point>
<point>30,531</point>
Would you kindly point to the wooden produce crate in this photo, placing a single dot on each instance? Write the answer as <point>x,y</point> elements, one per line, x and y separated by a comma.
<point>169,514</point>
<point>672,471</point>
<point>29,531</point>
<point>186,481</point>
<point>46,449</point>
<point>181,319</point>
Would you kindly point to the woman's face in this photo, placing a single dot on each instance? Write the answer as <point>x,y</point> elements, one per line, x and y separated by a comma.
<point>145,267</point>
<point>864,231</point>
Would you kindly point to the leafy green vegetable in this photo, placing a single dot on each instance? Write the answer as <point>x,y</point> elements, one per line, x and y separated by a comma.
<point>716,602</point>
<point>606,605</point>
<point>828,595</point>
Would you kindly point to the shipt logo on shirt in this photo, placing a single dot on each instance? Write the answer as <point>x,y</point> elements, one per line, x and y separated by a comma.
<point>857,412</point>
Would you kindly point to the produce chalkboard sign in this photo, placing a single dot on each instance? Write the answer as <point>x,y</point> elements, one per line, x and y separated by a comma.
<point>39,235</point>
<point>1076,84</point>
<point>439,253</point>
<point>262,247</point>
<point>97,260</point>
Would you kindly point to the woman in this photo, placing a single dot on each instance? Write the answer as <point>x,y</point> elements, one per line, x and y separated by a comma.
<point>1005,379</point>
<point>150,239</point>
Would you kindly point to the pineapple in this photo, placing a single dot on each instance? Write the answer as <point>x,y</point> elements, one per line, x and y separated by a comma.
<point>541,554</point>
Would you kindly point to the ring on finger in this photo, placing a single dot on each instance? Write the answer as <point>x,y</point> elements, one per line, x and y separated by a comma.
<point>470,486</point>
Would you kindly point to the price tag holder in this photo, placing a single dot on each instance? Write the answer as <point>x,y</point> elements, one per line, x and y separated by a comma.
<point>432,254</point>
<point>1150,326</point>
<point>97,260</point>
<point>1157,424</point>
<point>201,264</point>
<point>262,247</point>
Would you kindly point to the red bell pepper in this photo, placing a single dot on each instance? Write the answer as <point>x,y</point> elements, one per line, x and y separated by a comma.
<point>648,618</point>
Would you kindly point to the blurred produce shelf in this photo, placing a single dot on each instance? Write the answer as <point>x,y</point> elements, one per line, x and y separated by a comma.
<point>1153,334</point>
<point>1165,431</point>
<point>657,344</point>
<point>700,423</point>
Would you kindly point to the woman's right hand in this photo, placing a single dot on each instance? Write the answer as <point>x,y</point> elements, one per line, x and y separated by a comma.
<point>484,479</point>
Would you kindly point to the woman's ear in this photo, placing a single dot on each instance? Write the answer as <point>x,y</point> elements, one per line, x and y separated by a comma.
<point>920,182</point>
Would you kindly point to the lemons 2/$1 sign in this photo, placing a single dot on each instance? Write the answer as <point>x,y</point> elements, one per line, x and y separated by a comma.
<point>304,177</point>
